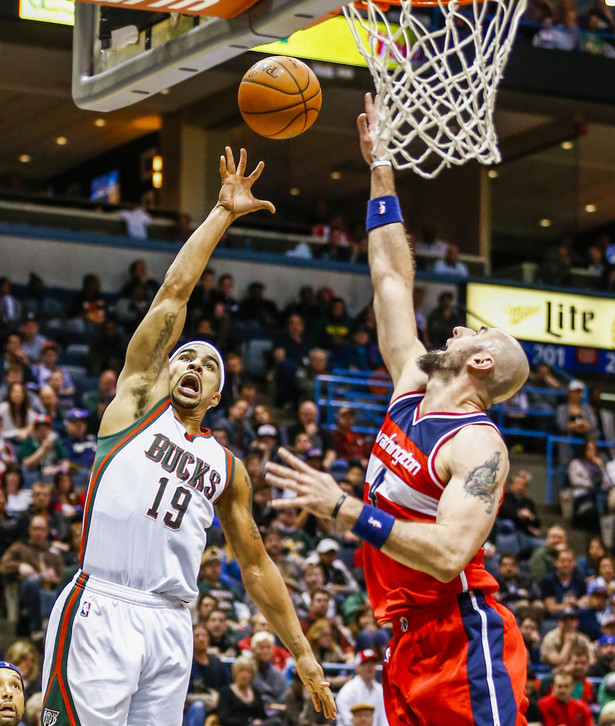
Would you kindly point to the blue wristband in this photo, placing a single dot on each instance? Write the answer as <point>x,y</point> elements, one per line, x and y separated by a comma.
<point>381,211</point>
<point>373,526</point>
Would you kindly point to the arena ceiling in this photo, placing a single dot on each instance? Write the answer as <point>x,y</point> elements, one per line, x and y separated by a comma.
<point>35,83</point>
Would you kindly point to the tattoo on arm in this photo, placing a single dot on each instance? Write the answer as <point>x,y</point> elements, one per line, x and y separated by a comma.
<point>254,533</point>
<point>160,349</point>
<point>482,482</point>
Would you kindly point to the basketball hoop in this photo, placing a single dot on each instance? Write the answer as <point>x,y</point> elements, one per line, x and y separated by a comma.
<point>436,85</point>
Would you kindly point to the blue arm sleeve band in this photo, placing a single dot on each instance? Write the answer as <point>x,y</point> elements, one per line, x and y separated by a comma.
<point>373,526</point>
<point>381,211</point>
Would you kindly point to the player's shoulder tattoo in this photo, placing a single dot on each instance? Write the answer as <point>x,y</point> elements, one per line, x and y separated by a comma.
<point>482,481</point>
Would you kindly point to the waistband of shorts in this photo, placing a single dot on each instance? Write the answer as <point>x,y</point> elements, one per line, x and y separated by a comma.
<point>414,619</point>
<point>122,592</point>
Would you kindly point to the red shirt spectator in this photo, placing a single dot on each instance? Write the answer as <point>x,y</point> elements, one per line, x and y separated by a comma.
<point>559,709</point>
<point>348,444</point>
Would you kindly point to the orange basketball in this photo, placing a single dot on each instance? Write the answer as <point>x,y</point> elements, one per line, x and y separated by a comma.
<point>279,97</point>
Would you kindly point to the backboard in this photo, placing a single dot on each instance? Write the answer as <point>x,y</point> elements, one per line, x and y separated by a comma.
<point>140,59</point>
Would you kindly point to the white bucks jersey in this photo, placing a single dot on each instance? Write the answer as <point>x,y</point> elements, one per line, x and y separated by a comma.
<point>150,501</point>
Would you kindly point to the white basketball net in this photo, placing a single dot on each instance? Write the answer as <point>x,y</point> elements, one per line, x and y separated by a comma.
<point>436,86</point>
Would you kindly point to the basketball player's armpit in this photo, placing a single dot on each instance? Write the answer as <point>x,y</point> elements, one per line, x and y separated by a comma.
<point>482,481</point>
<point>140,395</point>
<point>160,352</point>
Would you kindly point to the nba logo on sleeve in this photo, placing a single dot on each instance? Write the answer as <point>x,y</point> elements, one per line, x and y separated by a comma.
<point>49,717</point>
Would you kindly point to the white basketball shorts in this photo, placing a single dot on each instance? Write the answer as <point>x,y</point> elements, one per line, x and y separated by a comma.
<point>115,656</point>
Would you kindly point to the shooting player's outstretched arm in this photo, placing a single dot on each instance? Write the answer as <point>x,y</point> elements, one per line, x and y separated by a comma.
<point>391,264</point>
<point>144,378</point>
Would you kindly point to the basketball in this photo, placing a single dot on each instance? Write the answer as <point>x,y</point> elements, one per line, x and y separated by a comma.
<point>279,97</point>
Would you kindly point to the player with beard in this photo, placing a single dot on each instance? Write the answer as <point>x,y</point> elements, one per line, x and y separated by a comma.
<point>119,641</point>
<point>434,482</point>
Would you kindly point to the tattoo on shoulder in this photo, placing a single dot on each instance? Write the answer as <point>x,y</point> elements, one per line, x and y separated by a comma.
<point>159,352</point>
<point>481,481</point>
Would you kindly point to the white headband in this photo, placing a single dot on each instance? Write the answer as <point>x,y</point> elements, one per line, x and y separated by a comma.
<point>212,349</point>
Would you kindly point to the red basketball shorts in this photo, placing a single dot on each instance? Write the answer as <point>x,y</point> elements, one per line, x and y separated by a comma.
<point>461,664</point>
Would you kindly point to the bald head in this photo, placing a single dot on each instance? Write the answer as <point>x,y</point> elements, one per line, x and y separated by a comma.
<point>492,359</point>
<point>510,366</point>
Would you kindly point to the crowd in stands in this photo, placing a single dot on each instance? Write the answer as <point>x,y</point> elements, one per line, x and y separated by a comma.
<point>59,369</point>
<point>570,25</point>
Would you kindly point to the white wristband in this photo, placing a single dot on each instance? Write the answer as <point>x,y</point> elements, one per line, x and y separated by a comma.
<point>379,162</point>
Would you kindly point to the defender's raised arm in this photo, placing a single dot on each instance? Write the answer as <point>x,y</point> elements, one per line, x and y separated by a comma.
<point>391,265</point>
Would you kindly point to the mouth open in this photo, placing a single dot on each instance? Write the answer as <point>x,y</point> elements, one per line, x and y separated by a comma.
<point>7,709</point>
<point>190,385</point>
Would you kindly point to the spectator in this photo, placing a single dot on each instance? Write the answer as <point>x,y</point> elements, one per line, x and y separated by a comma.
<point>591,615</point>
<point>137,221</point>
<point>322,608</point>
<point>362,353</point>
<point>362,714</point>
<point>442,319</point>
<point>320,636</point>
<point>575,418</point>
<point>15,355</point>
<point>64,499</point>
<point>291,351</point>
<point>269,682</point>
<point>51,409</point>
<point>32,341</point>
<point>542,559</point>
<point>337,576</point>
<point>10,310</point>
<point>450,265</point>
<point>43,452</point>
<point>38,570</point>
<point>237,426</point>
<point>41,504</point>
<point>137,276</point>
<point>604,15</point>
<point>531,638</point>
<point>362,689</point>
<point>49,363</point>
<point>347,443</point>
<point>428,245</point>
<point>521,510</point>
<point>211,582</point>
<point>207,677</point>
<point>223,294</point>
<point>39,302</point>
<point>563,586</point>
<point>605,420</point>
<point>260,624</point>
<point>334,326</point>
<point>589,482</point>
<point>255,311</point>
<point>266,442</point>
<point>34,710</point>
<point>555,270</point>
<point>305,382</point>
<point>605,653</point>
<point>9,525</point>
<point>80,446</point>
<point>289,566</point>
<point>594,552</point>
<point>221,643</point>
<point>557,643</point>
<point>516,589</point>
<point>578,666</point>
<point>319,436</point>
<point>541,377</point>
<point>24,654</point>
<point>560,708</point>
<point>16,413</point>
<point>239,703</point>
<point>366,632</point>
<point>295,540</point>
<point>18,498</point>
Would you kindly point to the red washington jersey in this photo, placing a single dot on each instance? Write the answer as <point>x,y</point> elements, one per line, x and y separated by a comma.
<point>401,479</point>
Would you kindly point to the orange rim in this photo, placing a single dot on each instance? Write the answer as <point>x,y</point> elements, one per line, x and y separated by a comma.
<point>384,6</point>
